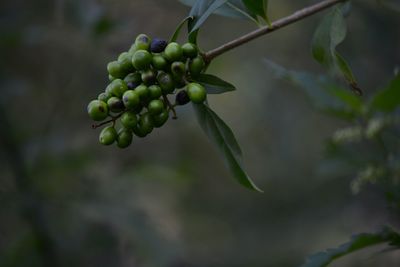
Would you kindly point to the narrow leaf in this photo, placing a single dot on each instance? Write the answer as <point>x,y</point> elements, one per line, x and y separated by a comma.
<point>201,14</point>
<point>257,8</point>
<point>214,85</point>
<point>357,242</point>
<point>221,135</point>
<point>388,99</point>
<point>175,36</point>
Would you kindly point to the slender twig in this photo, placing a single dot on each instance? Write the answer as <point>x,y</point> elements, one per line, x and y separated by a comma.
<point>170,107</point>
<point>296,16</point>
<point>113,119</point>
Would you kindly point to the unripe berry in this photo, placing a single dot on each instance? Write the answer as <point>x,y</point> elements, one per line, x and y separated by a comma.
<point>139,132</point>
<point>196,66</point>
<point>132,50</point>
<point>149,77</point>
<point>108,136</point>
<point>166,82</point>
<point>131,99</point>
<point>97,110</point>
<point>189,50</point>
<point>115,70</point>
<point>155,91</point>
<point>173,52</point>
<point>129,120</point>
<point>182,98</point>
<point>159,62</point>
<point>178,69</point>
<point>142,42</point>
<point>143,93</point>
<point>158,45</point>
<point>146,123</point>
<point>155,107</point>
<point>117,88</point>
<point>103,97</point>
<point>160,119</point>
<point>141,60</point>
<point>124,138</point>
<point>196,92</point>
<point>111,78</point>
<point>133,80</point>
<point>115,104</point>
<point>125,61</point>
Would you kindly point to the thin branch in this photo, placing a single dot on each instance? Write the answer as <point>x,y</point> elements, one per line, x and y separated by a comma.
<point>298,15</point>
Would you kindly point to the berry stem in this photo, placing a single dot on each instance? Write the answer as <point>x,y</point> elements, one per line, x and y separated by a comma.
<point>113,119</point>
<point>280,23</point>
<point>170,107</point>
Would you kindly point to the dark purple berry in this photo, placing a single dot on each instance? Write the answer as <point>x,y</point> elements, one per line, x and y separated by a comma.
<point>133,85</point>
<point>158,45</point>
<point>182,98</point>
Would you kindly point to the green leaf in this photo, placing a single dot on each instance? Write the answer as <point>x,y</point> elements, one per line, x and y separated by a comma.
<point>329,34</point>
<point>201,11</point>
<point>175,36</point>
<point>388,99</point>
<point>257,8</point>
<point>323,93</point>
<point>222,136</point>
<point>357,242</point>
<point>214,85</point>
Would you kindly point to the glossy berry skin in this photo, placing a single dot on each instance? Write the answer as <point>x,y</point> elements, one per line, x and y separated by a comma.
<point>182,98</point>
<point>133,80</point>
<point>117,88</point>
<point>115,104</point>
<point>111,78</point>
<point>139,132</point>
<point>166,82</point>
<point>143,92</point>
<point>173,52</point>
<point>97,110</point>
<point>142,42</point>
<point>132,50</point>
<point>196,92</point>
<point>178,69</point>
<point>160,119</point>
<point>124,138</point>
<point>108,136</point>
<point>129,120</point>
<point>149,77</point>
<point>189,50</point>
<point>141,60</point>
<point>103,97</point>
<point>159,62</point>
<point>125,61</point>
<point>146,123</point>
<point>155,91</point>
<point>155,107</point>
<point>131,99</point>
<point>158,45</point>
<point>115,70</point>
<point>196,66</point>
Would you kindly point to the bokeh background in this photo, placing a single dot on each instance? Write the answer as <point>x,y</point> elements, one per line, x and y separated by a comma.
<point>168,200</point>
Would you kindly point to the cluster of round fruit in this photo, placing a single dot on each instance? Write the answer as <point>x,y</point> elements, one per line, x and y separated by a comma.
<point>141,80</point>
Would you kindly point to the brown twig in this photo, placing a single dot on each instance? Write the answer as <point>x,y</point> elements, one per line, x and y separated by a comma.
<point>170,107</point>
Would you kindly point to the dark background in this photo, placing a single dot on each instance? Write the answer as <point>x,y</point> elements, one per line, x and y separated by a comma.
<point>168,200</point>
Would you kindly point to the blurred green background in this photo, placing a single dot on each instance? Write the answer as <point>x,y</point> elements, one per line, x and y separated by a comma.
<point>168,200</point>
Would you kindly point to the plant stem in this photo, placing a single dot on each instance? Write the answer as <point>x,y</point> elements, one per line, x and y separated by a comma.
<point>296,16</point>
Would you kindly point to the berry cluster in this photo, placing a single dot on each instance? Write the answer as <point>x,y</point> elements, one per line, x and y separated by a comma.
<point>141,80</point>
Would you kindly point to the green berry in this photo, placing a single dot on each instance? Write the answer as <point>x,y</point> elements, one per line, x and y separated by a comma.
<point>149,77</point>
<point>117,88</point>
<point>131,99</point>
<point>97,110</point>
<point>111,78</point>
<point>115,104</point>
<point>197,93</point>
<point>159,62</point>
<point>146,123</point>
<point>155,91</point>
<point>129,120</point>
<point>132,50</point>
<point>142,42</point>
<point>124,138</point>
<point>155,107</point>
<point>141,60</point>
<point>133,80</point>
<point>108,136</point>
<point>178,69</point>
<point>115,70</point>
<point>196,66</point>
<point>143,92</point>
<point>103,97</point>
<point>139,132</point>
<point>189,50</point>
<point>173,52</point>
<point>160,119</point>
<point>125,61</point>
<point>166,82</point>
